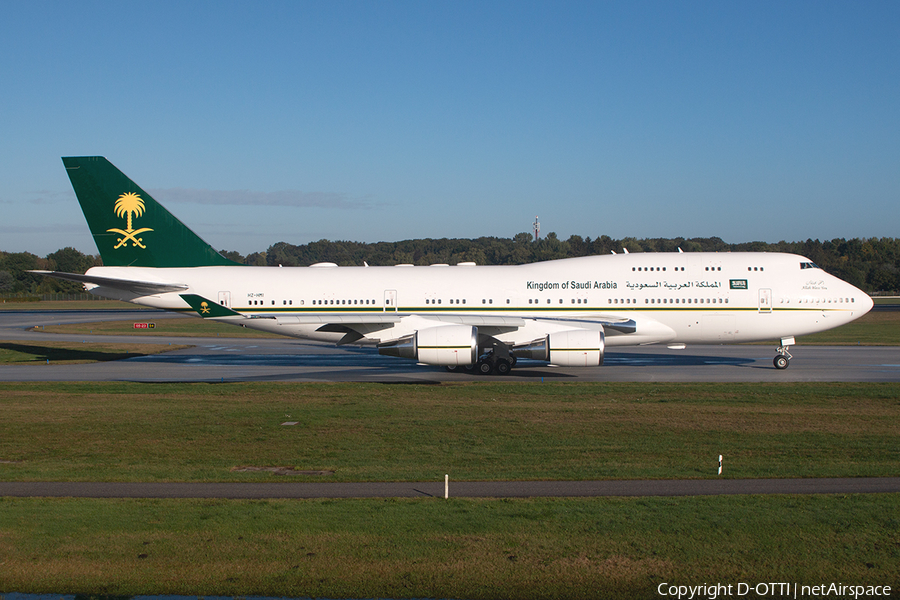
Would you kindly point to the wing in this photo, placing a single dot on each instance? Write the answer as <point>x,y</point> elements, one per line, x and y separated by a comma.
<point>607,323</point>
<point>357,326</point>
<point>455,339</point>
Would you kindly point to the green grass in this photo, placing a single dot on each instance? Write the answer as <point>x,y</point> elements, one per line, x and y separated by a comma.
<point>474,431</point>
<point>70,305</point>
<point>193,327</point>
<point>872,329</point>
<point>458,548</point>
<point>39,353</point>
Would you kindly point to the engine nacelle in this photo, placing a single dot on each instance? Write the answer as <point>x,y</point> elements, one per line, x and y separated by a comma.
<point>451,345</point>
<point>572,348</point>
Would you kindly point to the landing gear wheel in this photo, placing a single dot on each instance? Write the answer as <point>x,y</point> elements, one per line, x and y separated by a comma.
<point>783,360</point>
<point>484,367</point>
<point>502,367</point>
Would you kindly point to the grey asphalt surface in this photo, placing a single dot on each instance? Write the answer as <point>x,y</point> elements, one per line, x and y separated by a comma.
<point>461,489</point>
<point>231,359</point>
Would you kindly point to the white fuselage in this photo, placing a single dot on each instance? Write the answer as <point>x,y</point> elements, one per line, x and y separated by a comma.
<point>672,297</point>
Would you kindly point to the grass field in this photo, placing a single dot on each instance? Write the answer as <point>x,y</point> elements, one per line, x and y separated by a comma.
<point>70,305</point>
<point>493,549</point>
<point>881,328</point>
<point>539,548</point>
<point>473,431</point>
<point>190,327</point>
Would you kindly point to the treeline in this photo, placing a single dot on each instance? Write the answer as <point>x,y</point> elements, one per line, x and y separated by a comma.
<point>871,264</point>
<point>15,279</point>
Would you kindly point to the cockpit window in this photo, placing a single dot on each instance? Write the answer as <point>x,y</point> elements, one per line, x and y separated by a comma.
<point>809,265</point>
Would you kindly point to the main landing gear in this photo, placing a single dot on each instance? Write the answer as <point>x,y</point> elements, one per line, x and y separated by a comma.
<point>497,361</point>
<point>488,365</point>
<point>783,360</point>
<point>494,365</point>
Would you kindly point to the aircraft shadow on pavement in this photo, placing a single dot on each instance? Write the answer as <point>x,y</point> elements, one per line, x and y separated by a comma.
<point>643,359</point>
<point>366,358</point>
<point>52,354</point>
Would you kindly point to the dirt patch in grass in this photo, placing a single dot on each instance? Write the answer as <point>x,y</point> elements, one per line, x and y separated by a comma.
<point>279,471</point>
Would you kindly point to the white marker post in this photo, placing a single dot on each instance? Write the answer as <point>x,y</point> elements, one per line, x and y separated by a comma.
<point>720,464</point>
<point>446,486</point>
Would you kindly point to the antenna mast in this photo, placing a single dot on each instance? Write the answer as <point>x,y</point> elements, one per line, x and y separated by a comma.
<point>537,229</point>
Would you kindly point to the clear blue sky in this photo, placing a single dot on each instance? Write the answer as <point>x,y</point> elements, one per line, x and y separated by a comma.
<point>259,122</point>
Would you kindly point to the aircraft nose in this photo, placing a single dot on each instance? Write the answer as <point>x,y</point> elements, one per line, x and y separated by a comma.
<point>867,302</point>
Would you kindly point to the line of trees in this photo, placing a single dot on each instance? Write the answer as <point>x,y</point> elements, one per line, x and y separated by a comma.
<point>871,264</point>
<point>14,278</point>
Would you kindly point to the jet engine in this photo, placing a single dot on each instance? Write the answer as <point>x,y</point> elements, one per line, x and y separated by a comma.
<point>572,348</point>
<point>448,345</point>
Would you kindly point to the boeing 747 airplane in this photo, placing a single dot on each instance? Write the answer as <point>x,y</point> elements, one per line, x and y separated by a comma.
<point>564,312</point>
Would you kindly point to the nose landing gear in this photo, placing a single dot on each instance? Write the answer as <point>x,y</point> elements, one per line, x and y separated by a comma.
<point>783,360</point>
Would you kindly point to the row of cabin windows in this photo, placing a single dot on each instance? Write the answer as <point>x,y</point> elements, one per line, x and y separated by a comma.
<point>342,302</point>
<point>821,300</point>
<point>262,302</point>
<point>687,301</point>
<point>647,301</point>
<point>315,302</point>
<point>530,301</point>
<point>639,269</point>
<point>573,300</point>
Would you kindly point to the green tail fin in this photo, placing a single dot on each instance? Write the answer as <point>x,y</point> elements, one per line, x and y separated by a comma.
<point>129,227</point>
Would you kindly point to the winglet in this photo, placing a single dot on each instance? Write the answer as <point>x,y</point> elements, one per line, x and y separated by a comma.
<point>207,308</point>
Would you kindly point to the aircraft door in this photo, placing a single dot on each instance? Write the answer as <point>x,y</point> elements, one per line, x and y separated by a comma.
<point>390,300</point>
<point>225,299</point>
<point>765,300</point>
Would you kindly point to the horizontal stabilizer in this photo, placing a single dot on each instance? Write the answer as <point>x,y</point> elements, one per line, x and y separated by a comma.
<point>207,308</point>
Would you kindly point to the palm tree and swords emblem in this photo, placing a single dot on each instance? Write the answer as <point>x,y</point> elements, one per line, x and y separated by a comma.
<point>129,205</point>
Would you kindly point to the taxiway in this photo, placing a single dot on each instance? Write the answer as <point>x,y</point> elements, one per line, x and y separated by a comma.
<point>287,359</point>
